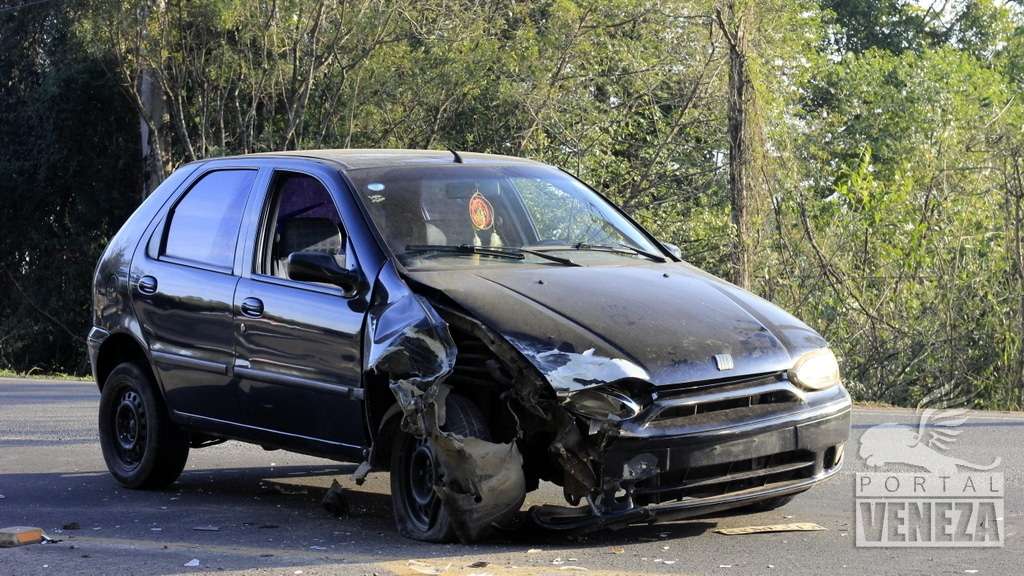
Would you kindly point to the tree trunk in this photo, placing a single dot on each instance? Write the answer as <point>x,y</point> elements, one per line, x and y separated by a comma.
<point>151,105</point>
<point>1014,183</point>
<point>151,101</point>
<point>735,21</point>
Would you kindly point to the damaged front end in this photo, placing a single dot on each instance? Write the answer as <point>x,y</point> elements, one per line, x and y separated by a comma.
<point>670,453</point>
<point>639,453</point>
<point>624,449</point>
<point>480,483</point>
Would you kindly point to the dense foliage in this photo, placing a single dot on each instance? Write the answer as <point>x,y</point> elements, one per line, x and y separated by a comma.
<point>887,178</point>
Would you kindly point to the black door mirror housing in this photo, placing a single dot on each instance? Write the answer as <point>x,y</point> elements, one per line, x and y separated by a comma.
<point>321,267</point>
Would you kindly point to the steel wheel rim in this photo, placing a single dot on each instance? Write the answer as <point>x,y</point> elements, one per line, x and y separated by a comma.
<point>421,502</point>
<point>130,427</point>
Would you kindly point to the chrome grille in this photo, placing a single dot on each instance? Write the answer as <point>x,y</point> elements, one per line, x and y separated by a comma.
<point>745,398</point>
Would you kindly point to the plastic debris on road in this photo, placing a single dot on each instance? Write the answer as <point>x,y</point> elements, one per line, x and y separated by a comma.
<point>20,536</point>
<point>192,563</point>
<point>794,527</point>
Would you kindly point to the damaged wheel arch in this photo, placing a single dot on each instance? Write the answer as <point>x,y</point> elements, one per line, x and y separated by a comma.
<point>479,483</point>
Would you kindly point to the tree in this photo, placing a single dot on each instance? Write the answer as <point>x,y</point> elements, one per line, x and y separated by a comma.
<point>69,158</point>
<point>736,21</point>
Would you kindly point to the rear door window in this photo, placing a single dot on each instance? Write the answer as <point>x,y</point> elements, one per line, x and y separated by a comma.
<point>203,227</point>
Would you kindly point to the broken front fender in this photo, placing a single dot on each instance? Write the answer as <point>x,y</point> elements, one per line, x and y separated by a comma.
<point>480,483</point>
<point>569,371</point>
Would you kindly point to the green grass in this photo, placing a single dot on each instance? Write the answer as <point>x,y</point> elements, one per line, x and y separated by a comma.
<point>43,375</point>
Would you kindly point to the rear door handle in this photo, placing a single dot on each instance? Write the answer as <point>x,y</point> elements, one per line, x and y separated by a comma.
<point>252,307</point>
<point>147,285</point>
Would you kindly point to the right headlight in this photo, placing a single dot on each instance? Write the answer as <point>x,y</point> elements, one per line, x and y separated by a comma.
<point>816,370</point>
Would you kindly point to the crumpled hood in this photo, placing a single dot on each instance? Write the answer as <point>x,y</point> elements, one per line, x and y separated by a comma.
<point>664,323</point>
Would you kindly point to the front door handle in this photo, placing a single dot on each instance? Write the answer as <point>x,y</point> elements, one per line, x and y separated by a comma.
<point>147,285</point>
<point>252,307</point>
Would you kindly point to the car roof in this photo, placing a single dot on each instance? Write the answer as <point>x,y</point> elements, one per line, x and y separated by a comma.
<point>356,158</point>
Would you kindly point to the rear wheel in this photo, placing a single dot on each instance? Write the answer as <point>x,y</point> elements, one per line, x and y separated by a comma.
<point>141,446</point>
<point>419,512</point>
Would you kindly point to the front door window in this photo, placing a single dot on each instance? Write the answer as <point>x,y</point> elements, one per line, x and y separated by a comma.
<point>301,217</point>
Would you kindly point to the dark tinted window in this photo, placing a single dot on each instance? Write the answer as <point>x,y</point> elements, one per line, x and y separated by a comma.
<point>302,218</point>
<point>204,225</point>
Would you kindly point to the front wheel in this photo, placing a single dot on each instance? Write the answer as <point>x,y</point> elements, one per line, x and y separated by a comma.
<point>419,512</point>
<point>142,447</point>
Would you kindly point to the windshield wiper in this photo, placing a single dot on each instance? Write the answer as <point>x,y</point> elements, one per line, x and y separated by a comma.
<point>546,256</point>
<point>617,249</point>
<point>515,253</point>
<point>464,249</point>
<point>644,253</point>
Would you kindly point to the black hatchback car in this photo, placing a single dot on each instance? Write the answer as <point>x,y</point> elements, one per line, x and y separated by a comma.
<point>472,323</point>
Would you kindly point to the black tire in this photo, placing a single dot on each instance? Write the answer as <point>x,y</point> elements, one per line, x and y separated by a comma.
<point>419,513</point>
<point>142,447</point>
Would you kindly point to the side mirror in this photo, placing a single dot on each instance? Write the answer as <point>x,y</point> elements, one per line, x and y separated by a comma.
<point>673,250</point>
<point>320,267</point>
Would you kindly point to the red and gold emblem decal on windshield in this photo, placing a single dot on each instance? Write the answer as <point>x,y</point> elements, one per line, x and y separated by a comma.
<point>481,212</point>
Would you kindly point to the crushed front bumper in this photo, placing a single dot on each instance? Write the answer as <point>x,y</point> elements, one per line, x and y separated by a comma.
<point>686,467</point>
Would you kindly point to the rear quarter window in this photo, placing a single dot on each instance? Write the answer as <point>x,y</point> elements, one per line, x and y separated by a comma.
<point>203,226</point>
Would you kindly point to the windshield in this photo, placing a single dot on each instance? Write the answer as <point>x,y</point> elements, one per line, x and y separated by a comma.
<point>473,215</point>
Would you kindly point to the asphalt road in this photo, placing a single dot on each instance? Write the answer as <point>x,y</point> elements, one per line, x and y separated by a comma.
<point>265,508</point>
